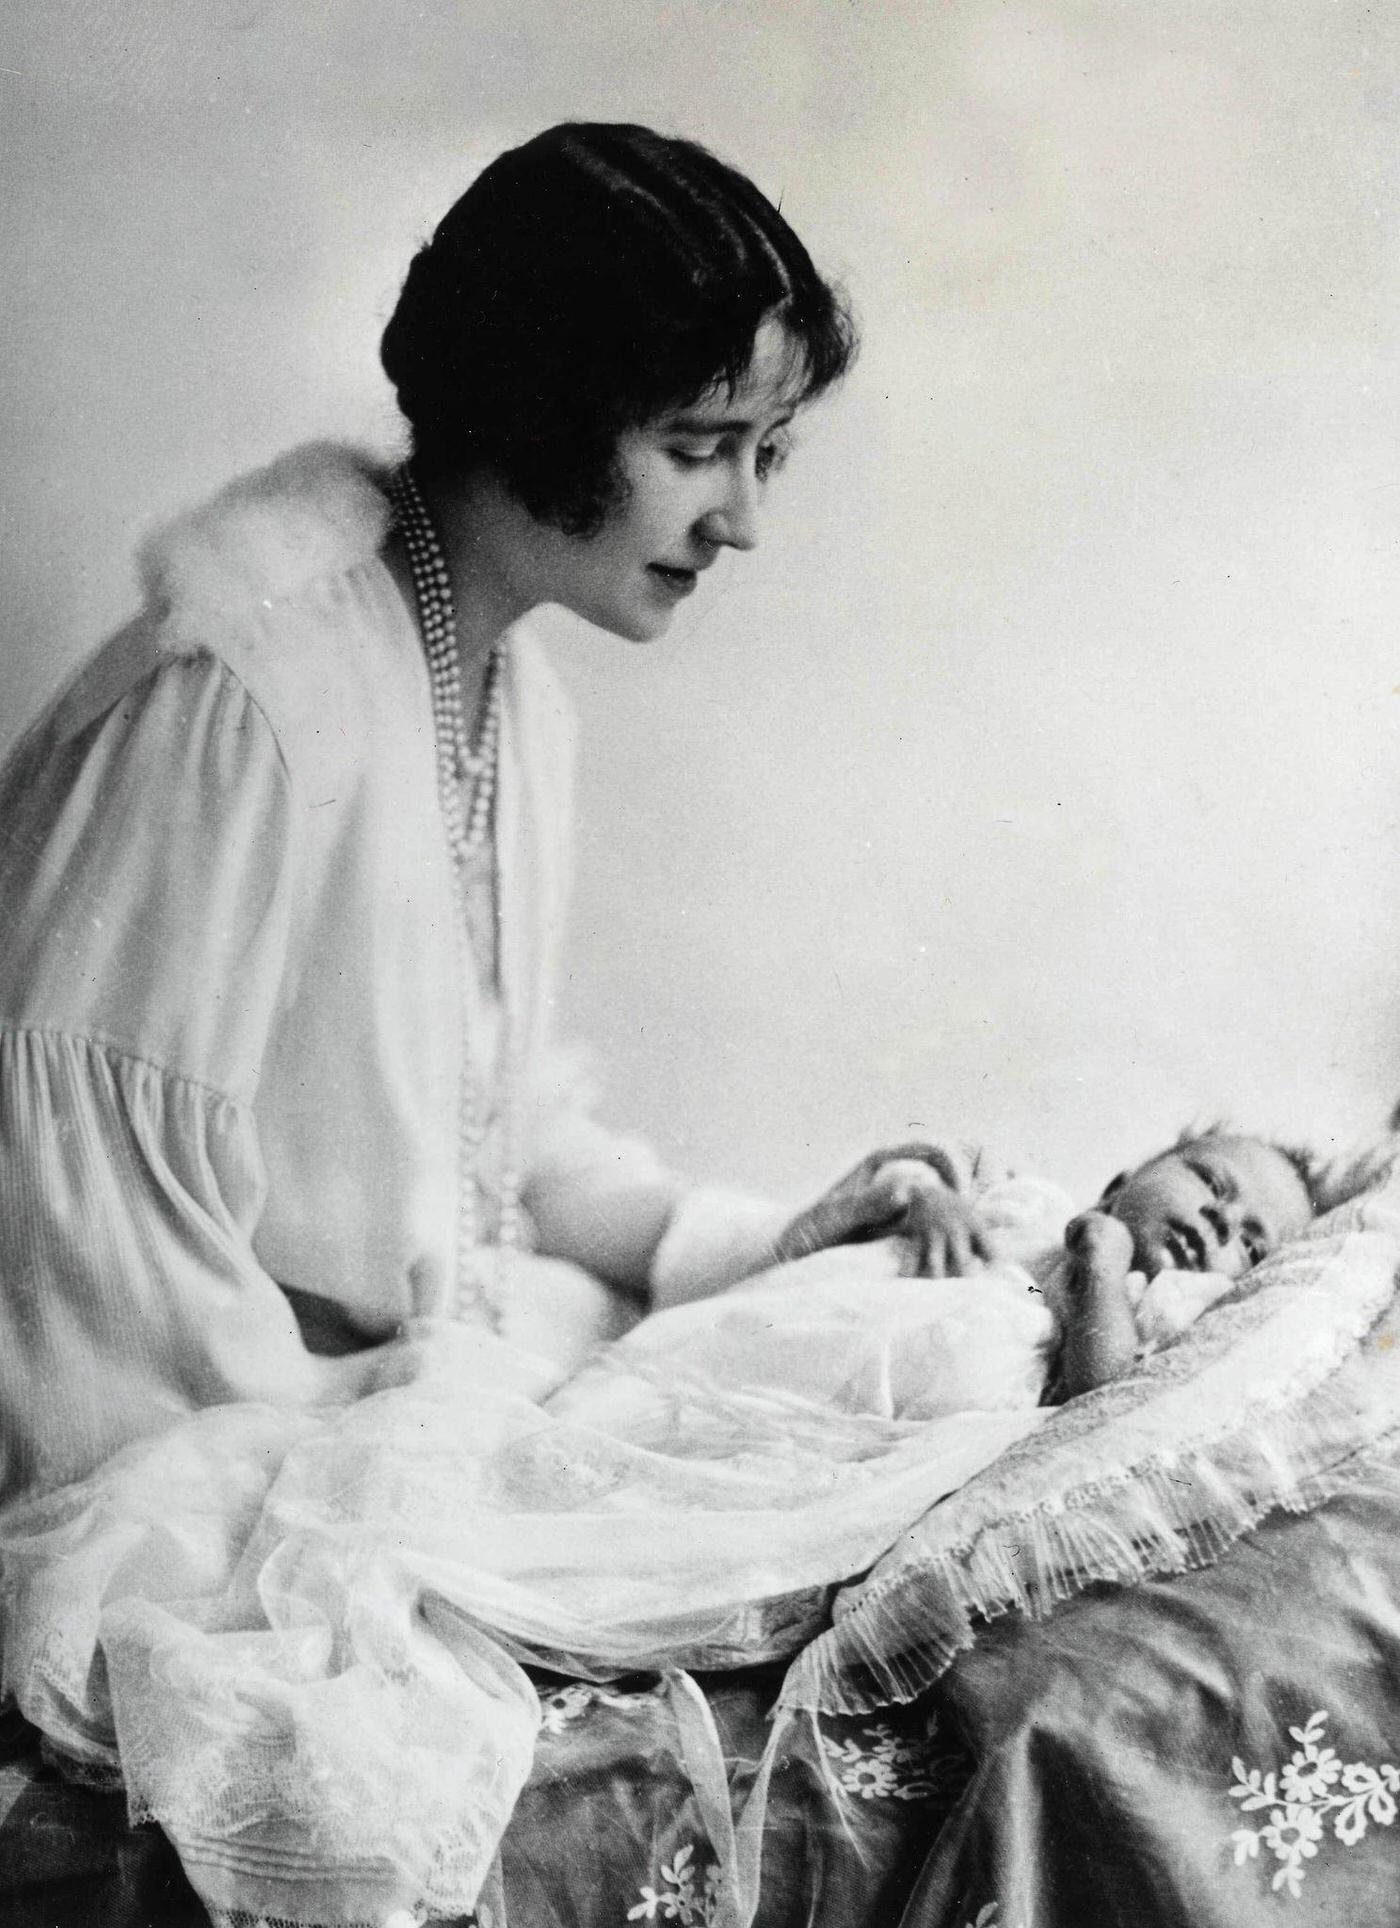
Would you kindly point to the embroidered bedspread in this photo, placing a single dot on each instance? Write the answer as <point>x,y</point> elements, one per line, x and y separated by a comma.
<point>1216,1750</point>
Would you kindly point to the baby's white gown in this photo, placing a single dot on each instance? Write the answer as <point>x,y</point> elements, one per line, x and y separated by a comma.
<point>298,1636</point>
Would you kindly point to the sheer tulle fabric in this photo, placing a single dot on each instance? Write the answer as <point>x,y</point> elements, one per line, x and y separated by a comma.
<point>298,1636</point>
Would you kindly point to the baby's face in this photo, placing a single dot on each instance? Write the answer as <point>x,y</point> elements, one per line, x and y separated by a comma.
<point>1217,1204</point>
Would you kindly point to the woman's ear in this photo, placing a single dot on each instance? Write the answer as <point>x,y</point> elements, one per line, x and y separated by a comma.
<point>1112,1188</point>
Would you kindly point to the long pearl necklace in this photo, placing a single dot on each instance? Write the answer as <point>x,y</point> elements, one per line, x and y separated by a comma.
<point>467,774</point>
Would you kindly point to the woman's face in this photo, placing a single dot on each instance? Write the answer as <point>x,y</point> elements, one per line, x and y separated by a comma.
<point>694,483</point>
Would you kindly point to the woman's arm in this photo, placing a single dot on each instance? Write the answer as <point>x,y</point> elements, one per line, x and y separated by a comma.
<point>606,1202</point>
<point>600,1199</point>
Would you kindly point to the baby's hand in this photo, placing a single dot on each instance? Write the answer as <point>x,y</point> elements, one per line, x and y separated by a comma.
<point>1100,1333</point>
<point>1100,1241</point>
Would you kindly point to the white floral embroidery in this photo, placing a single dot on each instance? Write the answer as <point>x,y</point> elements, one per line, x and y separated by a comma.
<point>568,1704</point>
<point>1314,1783</point>
<point>629,1703</point>
<point>888,1769</point>
<point>693,1904</point>
<point>559,1709</point>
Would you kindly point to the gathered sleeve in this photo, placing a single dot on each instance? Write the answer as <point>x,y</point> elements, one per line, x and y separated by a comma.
<point>147,874</point>
<point>605,1201</point>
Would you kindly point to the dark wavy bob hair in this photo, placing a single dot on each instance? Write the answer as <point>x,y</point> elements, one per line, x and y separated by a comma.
<point>584,284</point>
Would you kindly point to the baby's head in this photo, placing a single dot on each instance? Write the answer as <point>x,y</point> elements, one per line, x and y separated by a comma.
<point>1216,1202</point>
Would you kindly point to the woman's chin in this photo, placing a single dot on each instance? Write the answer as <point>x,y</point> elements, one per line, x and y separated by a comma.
<point>634,626</point>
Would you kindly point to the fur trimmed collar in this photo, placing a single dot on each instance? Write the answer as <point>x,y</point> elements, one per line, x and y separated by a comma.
<point>315,512</point>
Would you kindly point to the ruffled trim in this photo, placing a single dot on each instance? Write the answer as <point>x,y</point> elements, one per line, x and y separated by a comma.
<point>1143,1478</point>
<point>315,512</point>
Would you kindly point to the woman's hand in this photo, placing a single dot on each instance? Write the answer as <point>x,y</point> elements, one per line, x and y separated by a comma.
<point>906,1190</point>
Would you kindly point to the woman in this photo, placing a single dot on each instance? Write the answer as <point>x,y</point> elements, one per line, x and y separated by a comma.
<point>283,876</point>
<point>285,866</point>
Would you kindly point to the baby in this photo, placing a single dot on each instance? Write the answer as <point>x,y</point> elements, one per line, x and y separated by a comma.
<point>1214,1205</point>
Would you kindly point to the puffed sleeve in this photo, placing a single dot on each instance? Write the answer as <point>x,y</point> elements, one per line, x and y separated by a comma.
<point>605,1201</point>
<point>147,875</point>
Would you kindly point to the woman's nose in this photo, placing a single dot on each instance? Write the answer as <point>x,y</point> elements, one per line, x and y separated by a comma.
<point>732,522</point>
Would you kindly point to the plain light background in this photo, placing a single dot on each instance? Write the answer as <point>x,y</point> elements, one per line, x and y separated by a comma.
<point>1036,780</point>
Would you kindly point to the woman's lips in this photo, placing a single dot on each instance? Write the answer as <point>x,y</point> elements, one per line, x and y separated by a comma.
<point>680,582</point>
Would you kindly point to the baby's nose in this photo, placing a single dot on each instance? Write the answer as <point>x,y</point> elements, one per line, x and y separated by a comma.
<point>1216,1217</point>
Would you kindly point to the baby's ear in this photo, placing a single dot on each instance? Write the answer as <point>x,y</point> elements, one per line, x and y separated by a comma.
<point>1112,1188</point>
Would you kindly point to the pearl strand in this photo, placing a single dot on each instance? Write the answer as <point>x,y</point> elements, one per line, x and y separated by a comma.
<point>468,826</point>
<point>459,760</point>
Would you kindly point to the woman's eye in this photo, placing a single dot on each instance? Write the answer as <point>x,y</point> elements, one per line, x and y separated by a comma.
<point>693,455</point>
<point>769,458</point>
